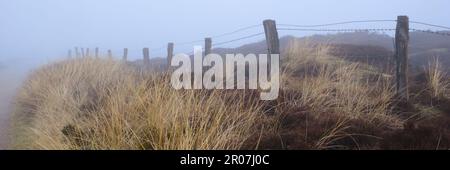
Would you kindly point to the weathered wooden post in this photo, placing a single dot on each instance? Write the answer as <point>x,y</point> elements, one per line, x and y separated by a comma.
<point>87,52</point>
<point>69,54</point>
<point>82,52</point>
<point>273,47</point>
<point>401,57</point>
<point>169,54</point>
<point>273,43</point>
<point>125,54</point>
<point>146,53</point>
<point>77,53</point>
<point>96,52</point>
<point>109,53</point>
<point>208,46</point>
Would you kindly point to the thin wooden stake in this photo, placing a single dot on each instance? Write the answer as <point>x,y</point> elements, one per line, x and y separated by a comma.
<point>96,52</point>
<point>146,53</point>
<point>110,54</point>
<point>87,52</point>
<point>69,54</point>
<point>208,46</point>
<point>125,54</point>
<point>273,47</point>
<point>169,54</point>
<point>401,57</point>
<point>77,53</point>
<point>82,52</point>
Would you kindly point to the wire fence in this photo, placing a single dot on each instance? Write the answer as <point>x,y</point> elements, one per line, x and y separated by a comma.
<point>320,28</point>
<point>326,27</point>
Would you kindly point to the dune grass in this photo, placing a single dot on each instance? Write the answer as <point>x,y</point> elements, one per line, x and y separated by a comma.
<point>105,104</point>
<point>326,102</point>
<point>437,79</point>
<point>327,83</point>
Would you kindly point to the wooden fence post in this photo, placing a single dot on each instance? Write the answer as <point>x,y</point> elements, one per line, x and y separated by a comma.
<point>273,47</point>
<point>87,52</point>
<point>146,53</point>
<point>69,53</point>
<point>109,53</point>
<point>82,52</point>
<point>169,54</point>
<point>208,46</point>
<point>77,53</point>
<point>273,43</point>
<point>401,57</point>
<point>96,52</point>
<point>125,54</point>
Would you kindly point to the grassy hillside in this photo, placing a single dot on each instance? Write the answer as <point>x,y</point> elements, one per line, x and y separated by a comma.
<point>325,102</point>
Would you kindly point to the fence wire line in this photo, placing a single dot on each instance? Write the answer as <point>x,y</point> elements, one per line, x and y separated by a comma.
<point>339,30</point>
<point>431,32</point>
<point>236,31</point>
<point>431,25</point>
<point>318,30</point>
<point>299,28</point>
<point>215,36</point>
<point>336,23</point>
<point>238,39</point>
<point>157,49</point>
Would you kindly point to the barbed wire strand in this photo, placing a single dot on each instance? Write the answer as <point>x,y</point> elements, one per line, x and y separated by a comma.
<point>338,30</point>
<point>237,39</point>
<point>431,32</point>
<point>428,24</point>
<point>215,36</point>
<point>236,31</point>
<point>157,49</point>
<point>336,23</point>
<point>318,30</point>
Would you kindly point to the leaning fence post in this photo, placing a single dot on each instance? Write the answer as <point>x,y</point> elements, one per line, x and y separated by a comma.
<point>96,52</point>
<point>69,54</point>
<point>169,54</point>
<point>109,53</point>
<point>82,52</point>
<point>77,53</point>
<point>401,57</point>
<point>208,46</point>
<point>87,52</point>
<point>125,54</point>
<point>273,47</point>
<point>146,57</point>
<point>273,43</point>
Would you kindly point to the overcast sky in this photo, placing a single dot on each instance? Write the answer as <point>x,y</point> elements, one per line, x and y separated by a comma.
<point>44,29</point>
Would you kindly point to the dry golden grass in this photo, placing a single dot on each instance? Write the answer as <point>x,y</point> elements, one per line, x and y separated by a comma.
<point>105,104</point>
<point>334,85</point>
<point>437,80</point>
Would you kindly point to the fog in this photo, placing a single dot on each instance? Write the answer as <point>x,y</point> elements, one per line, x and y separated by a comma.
<point>35,32</point>
<point>45,29</point>
<point>11,77</point>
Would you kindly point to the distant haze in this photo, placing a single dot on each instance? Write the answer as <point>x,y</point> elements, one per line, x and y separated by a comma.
<point>46,29</point>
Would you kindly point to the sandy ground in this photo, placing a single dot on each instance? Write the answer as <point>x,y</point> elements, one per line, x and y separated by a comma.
<point>11,78</point>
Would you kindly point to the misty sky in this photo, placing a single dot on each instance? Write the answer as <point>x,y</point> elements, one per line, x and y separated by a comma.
<point>44,29</point>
